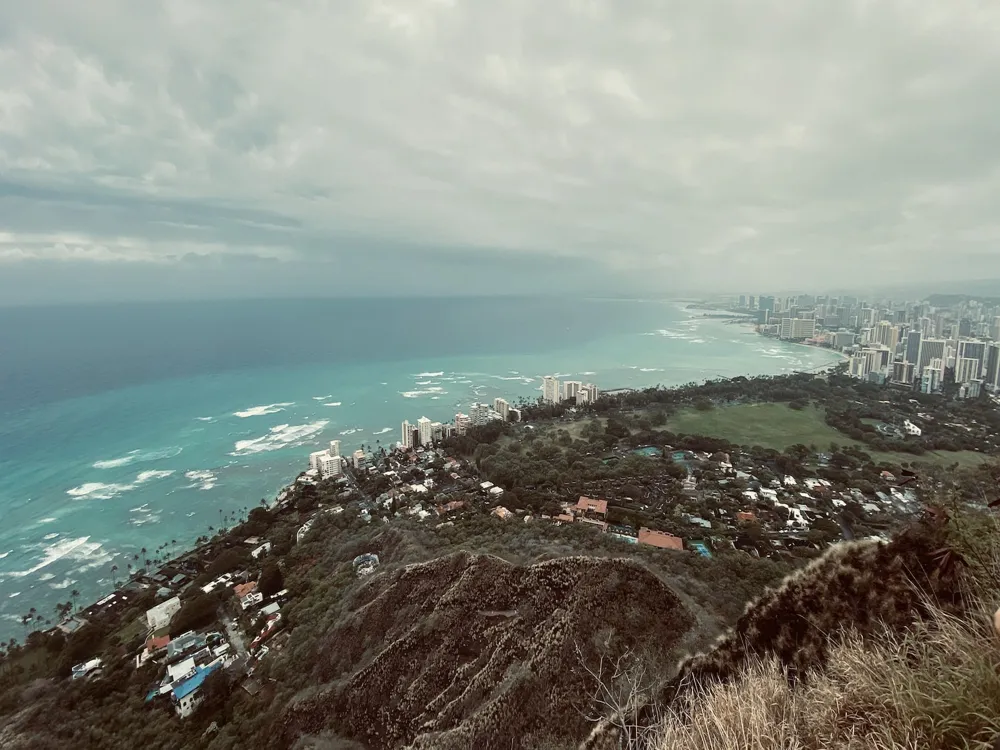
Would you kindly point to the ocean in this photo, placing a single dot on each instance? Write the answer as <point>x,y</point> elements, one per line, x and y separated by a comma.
<point>133,426</point>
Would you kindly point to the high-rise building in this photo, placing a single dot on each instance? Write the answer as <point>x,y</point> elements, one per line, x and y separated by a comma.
<point>743,301</point>
<point>425,431</point>
<point>973,350</point>
<point>843,339</point>
<point>967,369</point>
<point>797,328</point>
<point>479,414</point>
<point>965,327</point>
<point>407,436</point>
<point>330,466</point>
<point>767,303</point>
<point>929,349</point>
<point>902,372</point>
<point>588,394</point>
<point>501,407</point>
<point>550,389</point>
<point>314,459</point>
<point>995,329</point>
<point>931,376</point>
<point>886,334</point>
<point>462,423</point>
<point>334,447</point>
<point>571,389</point>
<point>912,352</point>
<point>993,366</point>
<point>437,431</point>
<point>359,458</point>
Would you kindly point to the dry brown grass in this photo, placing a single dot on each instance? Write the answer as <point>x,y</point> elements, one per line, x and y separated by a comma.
<point>932,686</point>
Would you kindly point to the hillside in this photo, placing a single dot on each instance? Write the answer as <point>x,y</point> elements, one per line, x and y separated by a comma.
<point>472,651</point>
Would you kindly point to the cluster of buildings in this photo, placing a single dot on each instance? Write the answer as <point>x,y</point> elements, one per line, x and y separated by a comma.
<point>425,432</point>
<point>915,344</point>
<point>555,392</point>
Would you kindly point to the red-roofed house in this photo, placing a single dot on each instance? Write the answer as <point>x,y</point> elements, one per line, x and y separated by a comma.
<point>155,644</point>
<point>660,539</point>
<point>243,589</point>
<point>586,504</point>
<point>745,515</point>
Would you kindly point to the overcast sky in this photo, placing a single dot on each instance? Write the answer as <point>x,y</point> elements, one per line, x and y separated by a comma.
<point>162,149</point>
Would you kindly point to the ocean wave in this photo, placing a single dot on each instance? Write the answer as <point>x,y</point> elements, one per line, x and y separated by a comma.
<point>53,535</point>
<point>65,583</point>
<point>424,392</point>
<point>4,554</point>
<point>425,382</point>
<point>203,479</point>
<point>40,521</point>
<point>144,508</point>
<point>205,419</point>
<point>138,456</point>
<point>383,431</point>
<point>11,596</point>
<point>322,398</point>
<point>650,369</point>
<point>75,550</point>
<point>333,403</point>
<point>260,411</point>
<point>143,520</point>
<point>105,491</point>
<point>46,577</point>
<point>281,436</point>
<point>350,431</point>
<point>429,374</point>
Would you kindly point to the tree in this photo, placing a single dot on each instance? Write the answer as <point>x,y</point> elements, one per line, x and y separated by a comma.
<point>271,580</point>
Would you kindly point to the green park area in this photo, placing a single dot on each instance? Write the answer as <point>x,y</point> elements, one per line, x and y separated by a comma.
<point>778,426</point>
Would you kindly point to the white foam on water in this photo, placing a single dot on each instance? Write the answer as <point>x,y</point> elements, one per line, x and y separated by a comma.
<point>383,431</point>
<point>650,369</point>
<point>333,403</point>
<point>53,535</point>
<point>78,549</point>
<point>203,479</point>
<point>425,382</point>
<point>424,392</point>
<point>138,456</point>
<point>322,398</point>
<point>350,431</point>
<point>11,596</point>
<point>103,491</point>
<point>205,419</point>
<point>141,509</point>
<point>39,522</point>
<point>65,583</point>
<point>260,411</point>
<point>4,554</point>
<point>46,577</point>
<point>429,374</point>
<point>280,436</point>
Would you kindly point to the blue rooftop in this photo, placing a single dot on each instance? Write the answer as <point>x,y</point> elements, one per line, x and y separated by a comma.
<point>194,682</point>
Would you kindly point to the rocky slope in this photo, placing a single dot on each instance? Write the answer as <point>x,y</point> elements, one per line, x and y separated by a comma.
<point>472,651</point>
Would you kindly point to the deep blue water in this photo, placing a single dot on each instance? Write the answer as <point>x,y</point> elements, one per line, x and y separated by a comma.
<point>129,426</point>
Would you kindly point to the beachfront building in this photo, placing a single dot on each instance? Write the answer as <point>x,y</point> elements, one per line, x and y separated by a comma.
<point>550,390</point>
<point>330,466</point>
<point>797,329</point>
<point>407,436</point>
<point>588,394</point>
<point>480,414</point>
<point>462,423</point>
<point>425,431</point>
<point>501,407</point>
<point>160,615</point>
<point>334,447</point>
<point>358,459</point>
<point>314,459</point>
<point>571,389</point>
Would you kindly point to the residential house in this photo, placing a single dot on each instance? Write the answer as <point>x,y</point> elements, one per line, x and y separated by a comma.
<point>159,616</point>
<point>660,539</point>
<point>589,505</point>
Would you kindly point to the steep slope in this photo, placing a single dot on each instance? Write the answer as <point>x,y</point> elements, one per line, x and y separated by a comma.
<point>865,588</point>
<point>472,651</point>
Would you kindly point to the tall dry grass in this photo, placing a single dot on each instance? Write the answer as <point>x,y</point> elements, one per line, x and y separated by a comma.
<point>934,686</point>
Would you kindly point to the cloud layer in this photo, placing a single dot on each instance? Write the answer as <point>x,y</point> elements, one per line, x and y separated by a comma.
<point>654,143</point>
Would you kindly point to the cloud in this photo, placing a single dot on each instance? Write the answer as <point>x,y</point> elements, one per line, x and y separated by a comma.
<point>663,145</point>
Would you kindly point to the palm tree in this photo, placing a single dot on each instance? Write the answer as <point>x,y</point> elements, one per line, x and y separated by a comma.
<point>74,595</point>
<point>114,573</point>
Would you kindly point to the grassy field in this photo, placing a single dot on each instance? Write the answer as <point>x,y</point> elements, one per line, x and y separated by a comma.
<point>778,426</point>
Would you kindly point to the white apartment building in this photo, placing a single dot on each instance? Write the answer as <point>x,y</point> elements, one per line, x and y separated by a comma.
<point>480,414</point>
<point>571,389</point>
<point>501,407</point>
<point>358,458</point>
<point>462,423</point>
<point>334,447</point>
<point>407,435</point>
<point>588,394</point>
<point>550,389</point>
<point>314,459</point>
<point>330,466</point>
<point>797,328</point>
<point>425,430</point>
<point>930,349</point>
<point>967,369</point>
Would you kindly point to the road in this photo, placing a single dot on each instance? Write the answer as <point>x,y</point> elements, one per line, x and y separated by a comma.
<point>235,636</point>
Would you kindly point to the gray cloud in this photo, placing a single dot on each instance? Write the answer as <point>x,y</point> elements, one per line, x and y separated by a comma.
<point>470,146</point>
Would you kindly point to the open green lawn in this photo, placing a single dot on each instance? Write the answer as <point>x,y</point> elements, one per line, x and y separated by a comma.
<point>778,426</point>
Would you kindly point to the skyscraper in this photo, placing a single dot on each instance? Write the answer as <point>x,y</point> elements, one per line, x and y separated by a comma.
<point>993,366</point>
<point>973,350</point>
<point>967,369</point>
<point>425,431</point>
<point>929,349</point>
<point>550,390</point>
<point>912,352</point>
<point>334,447</point>
<point>501,407</point>
<point>407,436</point>
<point>462,423</point>
<point>571,389</point>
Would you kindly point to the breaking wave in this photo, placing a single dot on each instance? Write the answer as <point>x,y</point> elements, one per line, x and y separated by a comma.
<point>106,491</point>
<point>282,436</point>
<point>203,479</point>
<point>260,411</point>
<point>138,456</point>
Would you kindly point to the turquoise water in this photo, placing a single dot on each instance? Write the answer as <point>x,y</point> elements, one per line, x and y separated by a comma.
<point>133,427</point>
<point>649,450</point>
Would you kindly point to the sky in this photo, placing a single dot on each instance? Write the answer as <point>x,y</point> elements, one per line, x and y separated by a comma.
<point>251,148</point>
